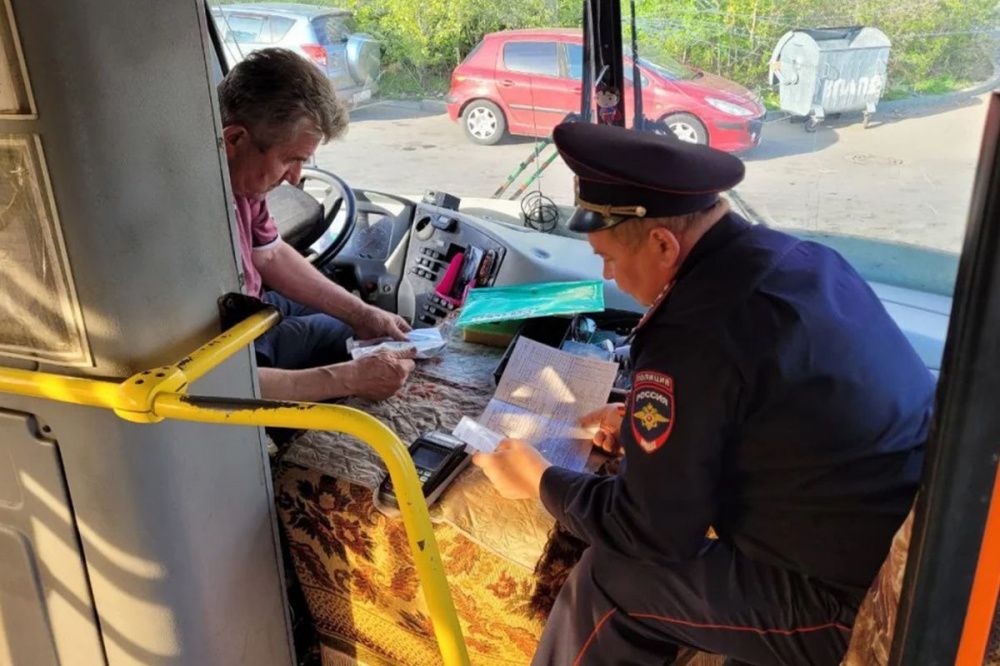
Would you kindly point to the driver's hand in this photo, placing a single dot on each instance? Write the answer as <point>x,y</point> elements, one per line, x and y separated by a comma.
<point>374,322</point>
<point>380,374</point>
<point>608,420</point>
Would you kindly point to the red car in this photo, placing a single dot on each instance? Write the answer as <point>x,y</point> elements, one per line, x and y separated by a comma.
<point>526,81</point>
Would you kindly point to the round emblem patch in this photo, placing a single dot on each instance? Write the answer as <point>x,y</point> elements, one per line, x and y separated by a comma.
<point>652,409</point>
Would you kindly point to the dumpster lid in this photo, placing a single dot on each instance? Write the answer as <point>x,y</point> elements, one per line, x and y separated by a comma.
<point>844,37</point>
<point>826,34</point>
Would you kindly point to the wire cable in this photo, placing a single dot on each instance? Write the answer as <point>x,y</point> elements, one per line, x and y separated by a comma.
<point>540,212</point>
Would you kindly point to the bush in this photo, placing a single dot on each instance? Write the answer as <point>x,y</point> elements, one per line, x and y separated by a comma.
<point>426,39</point>
<point>936,44</point>
<point>938,40</point>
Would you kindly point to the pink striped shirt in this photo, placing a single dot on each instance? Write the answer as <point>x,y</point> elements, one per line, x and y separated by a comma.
<point>258,233</point>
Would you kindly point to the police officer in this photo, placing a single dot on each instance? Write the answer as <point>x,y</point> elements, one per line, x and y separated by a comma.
<point>774,404</point>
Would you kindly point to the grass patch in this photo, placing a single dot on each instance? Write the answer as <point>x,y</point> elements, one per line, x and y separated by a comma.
<point>939,85</point>
<point>897,91</point>
<point>399,82</point>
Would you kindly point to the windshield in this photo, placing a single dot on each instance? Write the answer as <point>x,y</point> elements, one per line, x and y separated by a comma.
<point>873,149</point>
<point>669,68</point>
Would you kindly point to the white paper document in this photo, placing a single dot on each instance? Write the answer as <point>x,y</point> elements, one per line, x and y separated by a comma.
<point>477,436</point>
<point>427,342</point>
<point>541,397</point>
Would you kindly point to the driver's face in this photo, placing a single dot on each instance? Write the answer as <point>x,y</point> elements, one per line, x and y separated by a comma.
<point>255,172</point>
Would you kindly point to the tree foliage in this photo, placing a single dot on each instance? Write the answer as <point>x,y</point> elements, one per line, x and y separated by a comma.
<point>932,40</point>
<point>735,38</point>
<point>430,36</point>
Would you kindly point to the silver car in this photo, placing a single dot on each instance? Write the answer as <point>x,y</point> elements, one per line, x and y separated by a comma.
<point>324,35</point>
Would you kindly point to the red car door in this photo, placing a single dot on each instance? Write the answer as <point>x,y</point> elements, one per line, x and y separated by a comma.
<point>529,82</point>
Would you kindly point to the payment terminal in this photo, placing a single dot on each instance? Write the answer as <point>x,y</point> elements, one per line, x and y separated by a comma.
<point>439,458</point>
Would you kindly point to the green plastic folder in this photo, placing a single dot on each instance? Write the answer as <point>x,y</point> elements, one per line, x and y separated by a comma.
<point>524,301</point>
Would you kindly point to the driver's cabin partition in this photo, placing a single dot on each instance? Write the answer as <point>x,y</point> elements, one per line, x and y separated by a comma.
<point>122,543</point>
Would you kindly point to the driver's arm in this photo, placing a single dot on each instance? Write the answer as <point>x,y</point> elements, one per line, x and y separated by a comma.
<point>287,272</point>
<point>291,275</point>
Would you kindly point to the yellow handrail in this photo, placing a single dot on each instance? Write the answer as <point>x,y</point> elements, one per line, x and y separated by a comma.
<point>153,395</point>
<point>218,349</point>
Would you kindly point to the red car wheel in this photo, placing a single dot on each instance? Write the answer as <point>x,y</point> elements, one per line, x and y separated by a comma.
<point>685,127</point>
<point>484,122</point>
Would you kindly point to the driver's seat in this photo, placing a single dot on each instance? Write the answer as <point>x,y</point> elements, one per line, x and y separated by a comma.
<point>298,215</point>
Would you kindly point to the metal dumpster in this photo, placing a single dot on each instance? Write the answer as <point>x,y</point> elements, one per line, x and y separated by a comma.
<point>824,71</point>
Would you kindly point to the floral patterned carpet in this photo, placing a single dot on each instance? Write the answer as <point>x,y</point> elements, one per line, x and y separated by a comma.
<point>355,569</point>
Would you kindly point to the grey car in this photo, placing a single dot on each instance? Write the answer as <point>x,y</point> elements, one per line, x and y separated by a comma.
<point>324,35</point>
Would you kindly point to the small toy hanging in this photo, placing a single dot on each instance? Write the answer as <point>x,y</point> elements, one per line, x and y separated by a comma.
<point>608,110</point>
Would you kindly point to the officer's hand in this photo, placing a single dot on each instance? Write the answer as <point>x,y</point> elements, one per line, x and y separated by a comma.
<point>377,323</point>
<point>515,468</point>
<point>608,420</point>
<point>380,374</point>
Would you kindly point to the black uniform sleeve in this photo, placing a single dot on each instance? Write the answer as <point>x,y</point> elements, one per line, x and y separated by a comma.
<point>678,419</point>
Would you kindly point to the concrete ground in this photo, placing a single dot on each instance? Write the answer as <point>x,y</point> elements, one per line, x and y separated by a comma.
<point>907,178</point>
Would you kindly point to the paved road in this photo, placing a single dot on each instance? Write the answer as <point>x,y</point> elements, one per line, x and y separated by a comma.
<point>907,178</point>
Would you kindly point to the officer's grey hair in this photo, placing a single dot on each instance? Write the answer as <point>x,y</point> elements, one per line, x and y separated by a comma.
<point>634,232</point>
<point>274,93</point>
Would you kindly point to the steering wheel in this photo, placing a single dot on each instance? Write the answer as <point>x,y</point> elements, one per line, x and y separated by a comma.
<point>338,195</point>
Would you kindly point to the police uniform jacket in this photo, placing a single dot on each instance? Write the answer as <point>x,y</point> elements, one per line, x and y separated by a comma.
<point>773,400</point>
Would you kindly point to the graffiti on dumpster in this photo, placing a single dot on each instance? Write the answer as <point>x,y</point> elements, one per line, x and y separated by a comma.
<point>851,93</point>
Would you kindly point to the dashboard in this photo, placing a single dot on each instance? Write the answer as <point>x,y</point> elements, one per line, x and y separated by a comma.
<point>448,254</point>
<point>418,258</point>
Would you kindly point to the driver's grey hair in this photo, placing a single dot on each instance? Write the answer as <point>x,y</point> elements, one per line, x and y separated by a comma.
<point>274,92</point>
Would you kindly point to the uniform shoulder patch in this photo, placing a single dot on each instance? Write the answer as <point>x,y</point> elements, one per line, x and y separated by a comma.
<point>651,409</point>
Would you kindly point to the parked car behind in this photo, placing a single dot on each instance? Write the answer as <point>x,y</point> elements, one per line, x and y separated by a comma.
<point>526,81</point>
<point>325,35</point>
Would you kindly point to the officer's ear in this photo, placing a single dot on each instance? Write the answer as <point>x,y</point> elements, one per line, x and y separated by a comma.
<point>666,245</point>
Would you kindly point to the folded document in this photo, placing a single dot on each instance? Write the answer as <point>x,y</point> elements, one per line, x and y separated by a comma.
<point>540,398</point>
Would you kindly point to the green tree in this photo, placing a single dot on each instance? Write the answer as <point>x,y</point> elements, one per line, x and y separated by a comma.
<point>735,38</point>
<point>936,44</point>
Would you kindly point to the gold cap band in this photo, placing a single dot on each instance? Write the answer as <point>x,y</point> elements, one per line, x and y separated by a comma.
<point>609,211</point>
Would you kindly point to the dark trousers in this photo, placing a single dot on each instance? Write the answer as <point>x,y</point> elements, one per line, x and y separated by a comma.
<point>304,338</point>
<point>614,610</point>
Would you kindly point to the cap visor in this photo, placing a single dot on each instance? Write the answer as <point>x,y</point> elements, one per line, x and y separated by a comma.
<point>585,221</point>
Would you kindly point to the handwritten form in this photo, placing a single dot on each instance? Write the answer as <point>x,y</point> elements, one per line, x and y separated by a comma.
<point>541,397</point>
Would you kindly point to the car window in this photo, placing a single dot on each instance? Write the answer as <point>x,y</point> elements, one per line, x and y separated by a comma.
<point>280,27</point>
<point>574,61</point>
<point>334,29</point>
<point>627,72</point>
<point>531,58</point>
<point>574,65</point>
<point>242,28</point>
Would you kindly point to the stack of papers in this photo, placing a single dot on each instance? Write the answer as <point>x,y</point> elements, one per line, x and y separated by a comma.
<point>540,398</point>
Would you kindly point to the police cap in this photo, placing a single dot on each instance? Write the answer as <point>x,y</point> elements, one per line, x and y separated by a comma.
<point>623,174</point>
